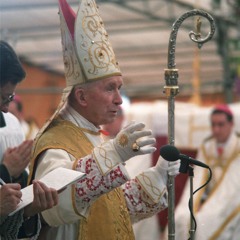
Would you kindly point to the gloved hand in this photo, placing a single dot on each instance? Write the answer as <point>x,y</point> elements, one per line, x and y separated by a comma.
<point>164,168</point>
<point>132,134</point>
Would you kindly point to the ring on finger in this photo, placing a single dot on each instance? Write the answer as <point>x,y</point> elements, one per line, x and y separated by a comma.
<point>135,147</point>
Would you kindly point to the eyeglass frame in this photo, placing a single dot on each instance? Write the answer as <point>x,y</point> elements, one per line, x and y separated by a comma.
<point>8,99</point>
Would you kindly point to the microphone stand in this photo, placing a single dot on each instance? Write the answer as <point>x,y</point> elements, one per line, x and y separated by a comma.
<point>192,223</point>
<point>184,168</point>
<point>171,90</point>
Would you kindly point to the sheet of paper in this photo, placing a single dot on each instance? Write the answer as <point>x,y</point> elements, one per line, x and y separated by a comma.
<point>58,179</point>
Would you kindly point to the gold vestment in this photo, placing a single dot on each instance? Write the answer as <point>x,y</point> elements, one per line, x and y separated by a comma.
<point>108,217</point>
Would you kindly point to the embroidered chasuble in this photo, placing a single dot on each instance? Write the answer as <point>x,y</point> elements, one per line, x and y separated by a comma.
<point>108,217</point>
<point>217,205</point>
<point>213,162</point>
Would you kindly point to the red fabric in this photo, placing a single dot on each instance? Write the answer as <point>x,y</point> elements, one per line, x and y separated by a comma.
<point>69,16</point>
<point>220,151</point>
<point>104,132</point>
<point>180,180</point>
<point>224,108</point>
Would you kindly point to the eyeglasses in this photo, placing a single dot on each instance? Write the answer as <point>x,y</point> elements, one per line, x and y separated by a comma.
<point>8,99</point>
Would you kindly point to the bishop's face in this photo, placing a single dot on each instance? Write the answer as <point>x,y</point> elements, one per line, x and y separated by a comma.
<point>6,96</point>
<point>103,100</point>
<point>221,127</point>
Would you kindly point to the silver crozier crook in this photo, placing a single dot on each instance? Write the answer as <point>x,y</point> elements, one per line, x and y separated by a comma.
<point>171,90</point>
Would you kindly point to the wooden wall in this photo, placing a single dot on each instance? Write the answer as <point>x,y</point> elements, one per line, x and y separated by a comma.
<point>40,93</point>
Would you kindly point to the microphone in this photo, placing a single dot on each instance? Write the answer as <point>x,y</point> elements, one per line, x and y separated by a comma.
<point>171,154</point>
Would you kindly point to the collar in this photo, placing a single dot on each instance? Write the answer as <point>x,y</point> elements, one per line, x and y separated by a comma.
<point>68,113</point>
<point>2,120</point>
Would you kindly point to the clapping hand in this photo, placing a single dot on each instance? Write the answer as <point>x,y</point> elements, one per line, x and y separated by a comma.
<point>17,159</point>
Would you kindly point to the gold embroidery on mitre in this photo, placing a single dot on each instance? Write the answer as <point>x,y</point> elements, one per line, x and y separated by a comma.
<point>92,43</point>
<point>123,140</point>
<point>87,53</point>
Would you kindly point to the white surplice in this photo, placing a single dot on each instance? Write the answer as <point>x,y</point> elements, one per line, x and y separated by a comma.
<point>11,135</point>
<point>218,218</point>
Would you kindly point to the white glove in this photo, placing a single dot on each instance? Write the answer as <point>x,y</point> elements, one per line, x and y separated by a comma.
<point>130,135</point>
<point>167,168</point>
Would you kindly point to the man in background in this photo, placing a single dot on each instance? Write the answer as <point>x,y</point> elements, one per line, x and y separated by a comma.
<point>217,205</point>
